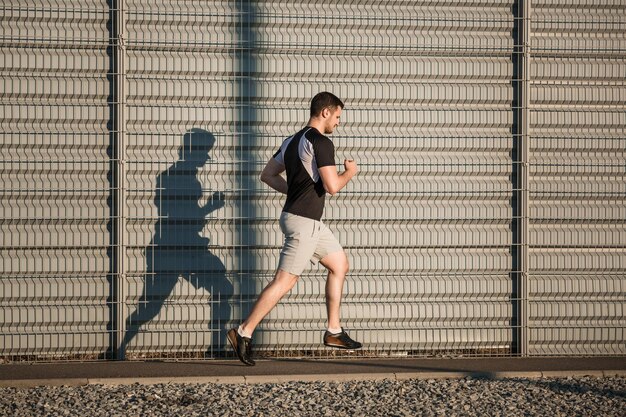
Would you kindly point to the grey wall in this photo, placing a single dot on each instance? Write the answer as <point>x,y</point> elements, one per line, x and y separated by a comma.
<point>577,178</point>
<point>210,91</point>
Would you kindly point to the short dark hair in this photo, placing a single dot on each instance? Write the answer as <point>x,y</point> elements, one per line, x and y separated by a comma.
<point>324,100</point>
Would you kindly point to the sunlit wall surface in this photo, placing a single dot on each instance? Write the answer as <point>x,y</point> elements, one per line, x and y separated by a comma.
<point>133,134</point>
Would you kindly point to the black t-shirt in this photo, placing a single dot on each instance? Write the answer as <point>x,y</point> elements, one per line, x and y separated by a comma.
<point>302,154</point>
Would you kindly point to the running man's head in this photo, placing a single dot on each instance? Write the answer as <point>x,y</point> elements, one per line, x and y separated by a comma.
<point>325,112</point>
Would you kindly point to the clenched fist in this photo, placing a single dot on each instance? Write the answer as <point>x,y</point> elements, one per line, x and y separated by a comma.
<point>350,165</point>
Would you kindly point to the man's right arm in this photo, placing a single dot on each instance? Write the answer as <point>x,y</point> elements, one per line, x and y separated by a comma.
<point>271,176</point>
<point>334,182</point>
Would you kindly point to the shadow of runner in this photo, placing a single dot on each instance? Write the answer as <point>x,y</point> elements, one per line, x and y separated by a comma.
<point>178,249</point>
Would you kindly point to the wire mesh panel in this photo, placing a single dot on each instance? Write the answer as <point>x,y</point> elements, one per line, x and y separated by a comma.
<point>134,132</point>
<point>426,223</point>
<point>54,213</point>
<point>577,178</point>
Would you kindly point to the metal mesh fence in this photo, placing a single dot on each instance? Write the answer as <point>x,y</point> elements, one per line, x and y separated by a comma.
<point>576,178</point>
<point>487,217</point>
<point>54,280</point>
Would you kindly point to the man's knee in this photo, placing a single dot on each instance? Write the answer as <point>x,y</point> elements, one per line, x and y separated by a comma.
<point>285,279</point>
<point>344,266</point>
<point>337,263</point>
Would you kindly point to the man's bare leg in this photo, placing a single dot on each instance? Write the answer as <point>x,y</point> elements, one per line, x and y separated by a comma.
<point>336,336</point>
<point>282,283</point>
<point>337,265</point>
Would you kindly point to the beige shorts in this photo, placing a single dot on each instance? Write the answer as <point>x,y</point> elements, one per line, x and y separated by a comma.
<point>306,240</point>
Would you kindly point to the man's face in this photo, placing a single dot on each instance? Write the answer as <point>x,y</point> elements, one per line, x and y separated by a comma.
<point>332,120</point>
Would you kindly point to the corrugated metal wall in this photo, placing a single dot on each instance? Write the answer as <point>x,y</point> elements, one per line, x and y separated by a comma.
<point>577,184</point>
<point>210,90</point>
<point>54,214</point>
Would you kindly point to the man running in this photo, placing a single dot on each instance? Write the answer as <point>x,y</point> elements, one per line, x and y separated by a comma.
<point>309,159</point>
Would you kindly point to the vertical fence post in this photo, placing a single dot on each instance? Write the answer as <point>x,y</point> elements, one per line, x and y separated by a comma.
<point>246,85</point>
<point>119,175</point>
<point>523,125</point>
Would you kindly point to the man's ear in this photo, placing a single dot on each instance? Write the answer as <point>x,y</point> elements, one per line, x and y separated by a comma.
<point>325,113</point>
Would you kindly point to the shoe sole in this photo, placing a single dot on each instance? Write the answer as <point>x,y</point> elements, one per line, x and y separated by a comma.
<point>233,344</point>
<point>342,347</point>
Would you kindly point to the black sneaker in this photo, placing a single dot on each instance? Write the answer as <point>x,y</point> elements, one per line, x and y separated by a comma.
<point>340,340</point>
<point>242,347</point>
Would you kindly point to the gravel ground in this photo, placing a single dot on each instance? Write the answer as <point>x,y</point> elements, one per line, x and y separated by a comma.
<point>468,397</point>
